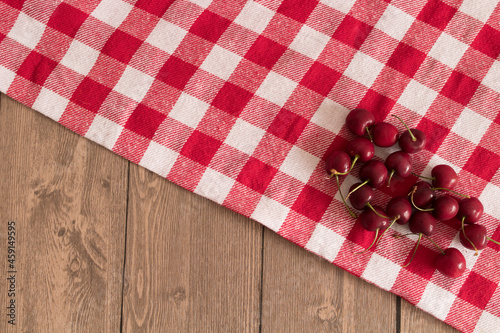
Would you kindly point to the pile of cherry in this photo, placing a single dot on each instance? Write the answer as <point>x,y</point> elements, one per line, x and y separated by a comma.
<point>422,208</point>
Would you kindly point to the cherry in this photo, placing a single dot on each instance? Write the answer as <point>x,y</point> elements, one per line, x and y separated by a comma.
<point>373,220</point>
<point>451,262</point>
<point>399,206</point>
<point>423,223</point>
<point>473,237</point>
<point>384,134</point>
<point>444,177</point>
<point>412,140</point>
<point>373,172</point>
<point>360,198</point>
<point>445,208</point>
<point>358,121</point>
<point>362,149</point>
<point>422,194</point>
<point>398,163</point>
<point>337,163</point>
<point>470,210</point>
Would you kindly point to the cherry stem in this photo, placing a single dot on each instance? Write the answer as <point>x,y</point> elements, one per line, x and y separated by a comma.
<point>401,236</point>
<point>413,203</point>
<point>492,240</point>
<point>369,134</point>
<point>414,251</point>
<point>433,242</point>
<point>463,232</point>
<point>369,205</point>
<point>420,176</point>
<point>390,177</point>
<point>356,157</point>
<point>448,190</point>
<point>413,138</point>
<point>357,187</point>
<point>373,243</point>
<point>390,225</point>
<point>353,215</point>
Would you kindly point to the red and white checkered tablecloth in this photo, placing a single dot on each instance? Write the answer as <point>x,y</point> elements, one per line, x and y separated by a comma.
<point>240,101</point>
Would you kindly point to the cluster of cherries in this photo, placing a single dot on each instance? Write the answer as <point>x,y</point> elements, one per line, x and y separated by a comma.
<point>422,208</point>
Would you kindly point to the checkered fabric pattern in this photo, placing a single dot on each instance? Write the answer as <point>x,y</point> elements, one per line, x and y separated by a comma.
<point>240,102</point>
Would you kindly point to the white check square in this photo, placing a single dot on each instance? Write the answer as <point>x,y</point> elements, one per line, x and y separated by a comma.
<point>27,31</point>
<point>50,104</point>
<point>104,131</point>
<point>448,50</point>
<point>436,300</point>
<point>166,36</point>
<point>489,199</point>
<point>80,57</point>
<point>309,42</point>
<point>134,84</point>
<point>299,164</point>
<point>480,10</point>
<point>201,3</point>
<point>343,6</point>
<point>492,78</point>
<point>417,97</point>
<point>7,77</point>
<point>471,125</point>
<point>363,69</point>
<point>244,136</point>
<point>487,323</point>
<point>381,271</point>
<point>189,110</point>
<point>276,88</point>
<point>214,186</point>
<point>325,242</point>
<point>270,213</point>
<point>395,22</point>
<point>221,62</point>
<point>328,115</point>
<point>254,17</point>
<point>158,159</point>
<point>112,12</point>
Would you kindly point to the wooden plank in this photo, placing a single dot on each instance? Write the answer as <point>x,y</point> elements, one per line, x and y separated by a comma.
<point>67,196</point>
<point>191,264</point>
<point>304,293</point>
<point>414,320</point>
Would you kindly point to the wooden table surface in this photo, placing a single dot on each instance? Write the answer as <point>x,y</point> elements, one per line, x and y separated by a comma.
<point>103,245</point>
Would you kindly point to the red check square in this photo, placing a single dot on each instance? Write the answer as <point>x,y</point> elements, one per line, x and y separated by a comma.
<point>210,26</point>
<point>437,14</point>
<point>460,88</point>
<point>265,52</point>
<point>36,68</point>
<point>312,203</point>
<point>256,174</point>
<point>200,147</point>
<point>435,134</point>
<point>90,94</point>
<point>406,59</point>
<point>483,163</point>
<point>377,104</point>
<point>287,126</point>
<point>67,19</point>
<point>320,78</point>
<point>477,290</point>
<point>488,41</point>
<point>145,121</point>
<point>298,10</point>
<point>176,72</point>
<point>17,4</point>
<point>232,99</point>
<point>155,7</point>
<point>121,46</point>
<point>352,32</point>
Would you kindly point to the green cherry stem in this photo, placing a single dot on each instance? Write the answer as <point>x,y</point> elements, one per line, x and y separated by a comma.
<point>404,235</point>
<point>357,187</point>
<point>492,240</point>
<point>463,232</point>
<point>413,203</point>
<point>373,243</point>
<point>369,205</point>
<point>433,242</point>
<point>390,177</point>
<point>413,138</point>
<point>448,190</point>
<point>420,176</point>
<point>414,251</point>
<point>356,157</point>
<point>369,134</point>
<point>353,215</point>
<point>390,225</point>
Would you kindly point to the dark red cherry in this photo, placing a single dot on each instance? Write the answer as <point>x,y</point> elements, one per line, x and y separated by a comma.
<point>423,194</point>
<point>413,144</point>
<point>384,134</point>
<point>358,120</point>
<point>476,234</point>
<point>470,209</point>
<point>361,147</point>
<point>361,196</point>
<point>445,208</point>
<point>400,163</point>
<point>444,177</point>
<point>374,172</point>
<point>423,223</point>
<point>451,263</point>
<point>371,221</point>
<point>399,206</point>
<point>337,162</point>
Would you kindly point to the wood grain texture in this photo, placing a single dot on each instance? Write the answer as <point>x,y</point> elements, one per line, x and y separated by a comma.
<point>414,320</point>
<point>68,198</point>
<point>304,293</point>
<point>191,264</point>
